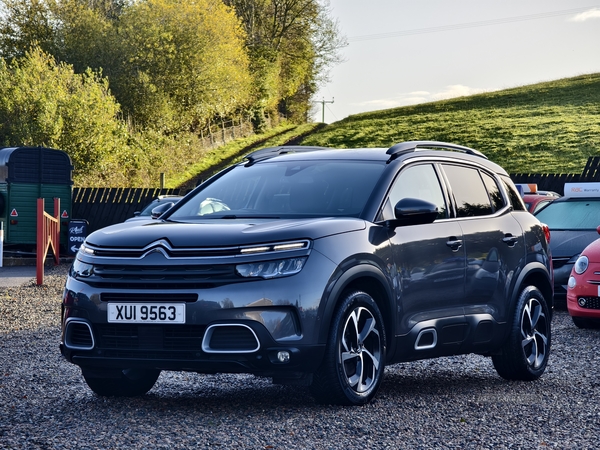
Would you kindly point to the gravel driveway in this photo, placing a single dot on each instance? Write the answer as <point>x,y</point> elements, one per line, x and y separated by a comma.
<point>456,402</point>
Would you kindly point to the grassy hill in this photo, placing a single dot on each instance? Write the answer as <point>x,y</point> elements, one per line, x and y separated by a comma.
<point>212,161</point>
<point>550,127</point>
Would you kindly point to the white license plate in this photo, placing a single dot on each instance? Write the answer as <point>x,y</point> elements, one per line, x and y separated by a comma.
<point>146,312</point>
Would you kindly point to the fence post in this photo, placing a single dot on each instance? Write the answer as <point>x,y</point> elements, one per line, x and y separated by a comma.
<point>48,233</point>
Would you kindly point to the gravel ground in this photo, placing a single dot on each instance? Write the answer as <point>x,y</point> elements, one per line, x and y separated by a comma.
<point>456,402</point>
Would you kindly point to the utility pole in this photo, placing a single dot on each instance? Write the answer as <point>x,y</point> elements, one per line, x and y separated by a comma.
<point>323,104</point>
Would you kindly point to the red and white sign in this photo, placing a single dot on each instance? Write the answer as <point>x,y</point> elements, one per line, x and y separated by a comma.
<point>64,214</point>
<point>14,213</point>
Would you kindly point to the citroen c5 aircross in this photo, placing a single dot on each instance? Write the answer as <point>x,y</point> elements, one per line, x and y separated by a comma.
<point>317,267</point>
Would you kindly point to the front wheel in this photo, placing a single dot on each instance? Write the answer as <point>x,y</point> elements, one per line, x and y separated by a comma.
<point>525,354</point>
<point>354,361</point>
<point>121,383</point>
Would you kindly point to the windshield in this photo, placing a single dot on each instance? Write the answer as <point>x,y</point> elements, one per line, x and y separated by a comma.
<point>286,189</point>
<point>580,214</point>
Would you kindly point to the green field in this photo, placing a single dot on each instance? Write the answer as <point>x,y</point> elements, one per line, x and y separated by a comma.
<point>550,127</point>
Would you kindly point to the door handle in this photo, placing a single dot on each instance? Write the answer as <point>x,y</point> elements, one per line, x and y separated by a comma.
<point>454,243</point>
<point>510,240</point>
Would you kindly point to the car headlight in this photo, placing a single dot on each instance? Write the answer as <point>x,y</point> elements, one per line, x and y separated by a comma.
<point>84,249</point>
<point>80,269</point>
<point>581,265</point>
<point>271,269</point>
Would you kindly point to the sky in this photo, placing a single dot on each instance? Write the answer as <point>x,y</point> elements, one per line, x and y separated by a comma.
<point>405,52</point>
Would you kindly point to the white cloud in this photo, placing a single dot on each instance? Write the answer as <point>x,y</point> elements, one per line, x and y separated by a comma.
<point>457,90</point>
<point>417,97</point>
<point>587,15</point>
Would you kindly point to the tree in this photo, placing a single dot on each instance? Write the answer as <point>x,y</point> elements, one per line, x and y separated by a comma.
<point>292,44</point>
<point>26,23</point>
<point>45,103</point>
<point>178,63</point>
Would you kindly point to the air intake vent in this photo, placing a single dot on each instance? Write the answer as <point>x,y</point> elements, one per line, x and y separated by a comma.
<point>230,338</point>
<point>78,335</point>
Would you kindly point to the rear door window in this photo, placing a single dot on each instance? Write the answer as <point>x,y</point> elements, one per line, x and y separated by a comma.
<point>469,191</point>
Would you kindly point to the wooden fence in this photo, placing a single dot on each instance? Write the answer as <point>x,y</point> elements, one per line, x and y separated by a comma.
<point>106,206</point>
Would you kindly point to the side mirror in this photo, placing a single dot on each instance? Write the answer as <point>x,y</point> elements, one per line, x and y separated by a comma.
<point>413,211</point>
<point>160,209</point>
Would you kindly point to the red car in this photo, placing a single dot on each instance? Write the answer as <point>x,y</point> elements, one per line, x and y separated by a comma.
<point>583,292</point>
<point>535,202</point>
<point>534,199</point>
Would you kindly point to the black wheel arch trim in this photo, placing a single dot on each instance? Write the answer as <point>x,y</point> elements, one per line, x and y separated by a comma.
<point>537,270</point>
<point>338,285</point>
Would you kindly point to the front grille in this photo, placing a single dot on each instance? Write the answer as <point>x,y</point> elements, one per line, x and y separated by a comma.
<point>589,302</point>
<point>162,338</point>
<point>149,297</point>
<point>557,263</point>
<point>171,342</point>
<point>190,277</point>
<point>172,253</point>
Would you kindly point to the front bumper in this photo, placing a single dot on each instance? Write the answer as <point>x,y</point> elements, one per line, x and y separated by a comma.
<point>265,327</point>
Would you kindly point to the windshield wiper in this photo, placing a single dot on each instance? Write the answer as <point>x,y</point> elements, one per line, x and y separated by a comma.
<point>234,216</point>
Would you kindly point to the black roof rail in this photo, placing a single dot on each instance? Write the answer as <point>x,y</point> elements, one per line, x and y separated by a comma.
<point>411,146</point>
<point>271,152</point>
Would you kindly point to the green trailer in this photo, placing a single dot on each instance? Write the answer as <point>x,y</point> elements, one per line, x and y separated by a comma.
<point>26,174</point>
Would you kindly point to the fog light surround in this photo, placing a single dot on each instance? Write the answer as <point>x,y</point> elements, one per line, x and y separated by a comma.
<point>581,301</point>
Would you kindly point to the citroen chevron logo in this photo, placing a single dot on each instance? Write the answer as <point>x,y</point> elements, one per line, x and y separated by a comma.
<point>160,246</point>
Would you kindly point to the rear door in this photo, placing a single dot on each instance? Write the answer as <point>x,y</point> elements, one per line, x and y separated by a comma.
<point>493,239</point>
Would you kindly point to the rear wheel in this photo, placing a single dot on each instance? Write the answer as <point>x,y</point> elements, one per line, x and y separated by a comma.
<point>525,354</point>
<point>354,362</point>
<point>121,383</point>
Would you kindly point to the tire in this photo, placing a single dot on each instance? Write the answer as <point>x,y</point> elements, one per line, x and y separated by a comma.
<point>354,361</point>
<point>525,354</point>
<point>121,383</point>
<point>583,322</point>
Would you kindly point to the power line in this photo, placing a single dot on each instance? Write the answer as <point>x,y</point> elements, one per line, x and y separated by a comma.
<point>460,26</point>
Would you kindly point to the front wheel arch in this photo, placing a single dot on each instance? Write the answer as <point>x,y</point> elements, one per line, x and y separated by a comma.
<point>363,277</point>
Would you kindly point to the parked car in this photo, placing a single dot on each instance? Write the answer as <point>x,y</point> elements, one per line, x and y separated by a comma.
<point>535,202</point>
<point>535,199</point>
<point>583,293</point>
<point>317,266</point>
<point>572,220</point>
<point>146,212</point>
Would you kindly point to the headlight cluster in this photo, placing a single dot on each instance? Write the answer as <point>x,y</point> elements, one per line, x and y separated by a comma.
<point>271,269</point>
<point>81,269</point>
<point>581,265</point>
<point>85,249</point>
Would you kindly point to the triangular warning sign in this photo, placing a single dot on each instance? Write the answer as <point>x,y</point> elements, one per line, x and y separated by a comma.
<point>14,213</point>
<point>64,214</point>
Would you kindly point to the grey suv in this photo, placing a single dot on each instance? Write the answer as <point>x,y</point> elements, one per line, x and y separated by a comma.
<point>317,267</point>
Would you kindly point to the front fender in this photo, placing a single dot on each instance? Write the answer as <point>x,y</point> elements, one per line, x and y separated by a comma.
<point>366,276</point>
